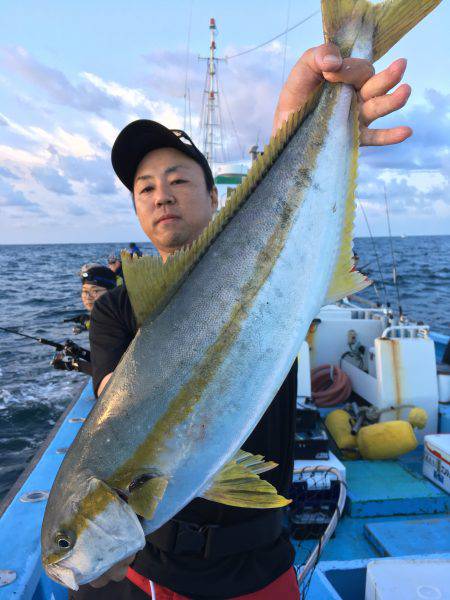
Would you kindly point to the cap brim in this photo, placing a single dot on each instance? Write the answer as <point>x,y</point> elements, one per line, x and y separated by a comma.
<point>138,139</point>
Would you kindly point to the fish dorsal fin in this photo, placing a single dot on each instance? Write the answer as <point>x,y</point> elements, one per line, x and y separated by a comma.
<point>346,280</point>
<point>238,484</point>
<point>390,20</point>
<point>150,282</point>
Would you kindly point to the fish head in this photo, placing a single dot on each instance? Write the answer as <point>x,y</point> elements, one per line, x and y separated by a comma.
<point>87,532</point>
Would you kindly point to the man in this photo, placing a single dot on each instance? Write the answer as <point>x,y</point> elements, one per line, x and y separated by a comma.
<point>134,249</point>
<point>115,264</point>
<point>96,280</point>
<point>199,555</point>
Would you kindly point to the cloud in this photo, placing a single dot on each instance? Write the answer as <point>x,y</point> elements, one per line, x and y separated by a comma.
<point>6,173</point>
<point>136,99</point>
<point>16,156</point>
<point>95,173</point>
<point>105,129</point>
<point>65,142</point>
<point>58,88</point>
<point>12,198</point>
<point>53,181</point>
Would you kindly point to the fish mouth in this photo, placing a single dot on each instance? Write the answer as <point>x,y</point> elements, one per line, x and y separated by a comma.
<point>62,575</point>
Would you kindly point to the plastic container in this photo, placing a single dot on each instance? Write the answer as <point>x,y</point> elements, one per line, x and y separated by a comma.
<point>436,460</point>
<point>408,579</point>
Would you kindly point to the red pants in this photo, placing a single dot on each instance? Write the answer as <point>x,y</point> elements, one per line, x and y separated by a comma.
<point>283,588</point>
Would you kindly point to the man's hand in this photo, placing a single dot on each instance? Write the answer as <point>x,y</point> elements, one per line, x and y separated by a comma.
<point>115,573</point>
<point>325,62</point>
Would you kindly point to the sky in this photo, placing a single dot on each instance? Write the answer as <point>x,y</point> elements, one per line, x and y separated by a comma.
<point>72,74</point>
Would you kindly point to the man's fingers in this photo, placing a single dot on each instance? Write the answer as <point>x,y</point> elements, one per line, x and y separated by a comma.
<point>380,106</point>
<point>383,81</point>
<point>119,573</point>
<point>326,57</point>
<point>354,71</point>
<point>384,137</point>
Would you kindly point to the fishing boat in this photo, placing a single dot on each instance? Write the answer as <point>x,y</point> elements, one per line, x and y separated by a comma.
<point>362,528</point>
<point>383,514</point>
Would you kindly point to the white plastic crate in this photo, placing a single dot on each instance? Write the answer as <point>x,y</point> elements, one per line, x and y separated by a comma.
<point>408,579</point>
<point>436,460</point>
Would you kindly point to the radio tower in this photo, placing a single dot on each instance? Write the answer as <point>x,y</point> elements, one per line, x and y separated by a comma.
<point>211,120</point>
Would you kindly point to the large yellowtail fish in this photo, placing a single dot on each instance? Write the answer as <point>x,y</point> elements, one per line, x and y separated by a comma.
<point>221,324</point>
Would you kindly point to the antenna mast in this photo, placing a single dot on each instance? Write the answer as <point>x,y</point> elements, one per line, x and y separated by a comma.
<point>211,117</point>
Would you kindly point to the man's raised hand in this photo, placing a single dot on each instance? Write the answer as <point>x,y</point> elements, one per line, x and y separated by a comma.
<point>325,63</point>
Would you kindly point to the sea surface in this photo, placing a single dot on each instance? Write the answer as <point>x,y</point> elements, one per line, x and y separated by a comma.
<point>39,288</point>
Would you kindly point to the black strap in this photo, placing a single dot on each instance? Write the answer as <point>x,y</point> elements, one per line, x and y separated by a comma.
<point>217,541</point>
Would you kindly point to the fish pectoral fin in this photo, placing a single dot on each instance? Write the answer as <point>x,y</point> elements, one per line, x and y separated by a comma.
<point>146,493</point>
<point>238,484</point>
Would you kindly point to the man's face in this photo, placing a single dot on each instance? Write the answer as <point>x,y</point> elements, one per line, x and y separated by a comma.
<point>172,201</point>
<point>89,294</point>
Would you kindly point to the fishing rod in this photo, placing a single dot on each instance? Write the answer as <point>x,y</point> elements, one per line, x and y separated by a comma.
<point>69,347</point>
<point>376,256</point>
<point>394,265</point>
<point>44,341</point>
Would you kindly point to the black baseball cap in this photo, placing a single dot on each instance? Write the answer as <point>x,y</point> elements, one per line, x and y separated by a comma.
<point>100,275</point>
<point>142,136</point>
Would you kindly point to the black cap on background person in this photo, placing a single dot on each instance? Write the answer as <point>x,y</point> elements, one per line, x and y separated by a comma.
<point>95,281</point>
<point>100,276</point>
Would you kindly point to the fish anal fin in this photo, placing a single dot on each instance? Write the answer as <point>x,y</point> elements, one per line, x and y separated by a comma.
<point>150,282</point>
<point>238,484</point>
<point>145,495</point>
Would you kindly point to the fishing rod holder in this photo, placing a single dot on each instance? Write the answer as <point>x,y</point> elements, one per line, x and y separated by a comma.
<point>36,496</point>
<point>406,331</point>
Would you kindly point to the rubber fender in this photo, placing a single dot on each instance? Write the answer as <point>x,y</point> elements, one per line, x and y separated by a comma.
<point>386,440</point>
<point>339,423</point>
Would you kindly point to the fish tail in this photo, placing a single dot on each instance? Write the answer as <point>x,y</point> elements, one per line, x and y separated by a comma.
<point>391,20</point>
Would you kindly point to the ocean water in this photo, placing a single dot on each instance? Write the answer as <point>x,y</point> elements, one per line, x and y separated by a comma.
<point>40,288</point>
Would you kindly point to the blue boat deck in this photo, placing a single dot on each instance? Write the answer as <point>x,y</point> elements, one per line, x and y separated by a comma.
<point>391,511</point>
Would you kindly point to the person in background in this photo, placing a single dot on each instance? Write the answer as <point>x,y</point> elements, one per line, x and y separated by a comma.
<point>134,249</point>
<point>115,264</point>
<point>96,281</point>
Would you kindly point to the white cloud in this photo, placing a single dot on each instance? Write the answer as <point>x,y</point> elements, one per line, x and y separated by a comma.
<point>441,208</point>
<point>16,156</point>
<point>67,143</point>
<point>134,98</point>
<point>105,129</point>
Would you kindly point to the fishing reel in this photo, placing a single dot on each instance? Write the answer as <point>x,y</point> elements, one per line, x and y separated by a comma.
<point>81,323</point>
<point>72,357</point>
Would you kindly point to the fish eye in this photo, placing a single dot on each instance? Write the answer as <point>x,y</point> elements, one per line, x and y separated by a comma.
<point>63,541</point>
